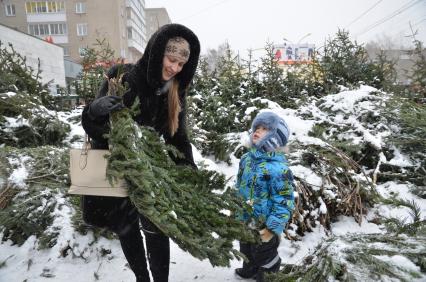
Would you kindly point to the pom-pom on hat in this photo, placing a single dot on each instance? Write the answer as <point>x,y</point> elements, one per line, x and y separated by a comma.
<point>278,131</point>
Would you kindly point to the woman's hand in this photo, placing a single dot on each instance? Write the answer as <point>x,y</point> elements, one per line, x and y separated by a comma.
<point>266,235</point>
<point>104,106</point>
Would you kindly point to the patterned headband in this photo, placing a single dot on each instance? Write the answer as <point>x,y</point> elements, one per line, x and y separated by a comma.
<point>178,47</point>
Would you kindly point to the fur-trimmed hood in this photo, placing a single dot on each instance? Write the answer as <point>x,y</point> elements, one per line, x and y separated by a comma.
<point>152,60</point>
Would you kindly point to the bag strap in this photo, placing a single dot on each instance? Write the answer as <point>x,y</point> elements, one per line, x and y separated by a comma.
<point>83,155</point>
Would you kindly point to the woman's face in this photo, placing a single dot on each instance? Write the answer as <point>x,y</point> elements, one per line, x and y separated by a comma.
<point>171,66</point>
<point>259,133</point>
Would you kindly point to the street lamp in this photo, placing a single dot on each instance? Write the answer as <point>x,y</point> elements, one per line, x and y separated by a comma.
<point>286,40</point>
<point>303,37</point>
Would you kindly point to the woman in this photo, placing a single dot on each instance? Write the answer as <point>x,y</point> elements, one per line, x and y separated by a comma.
<point>160,80</point>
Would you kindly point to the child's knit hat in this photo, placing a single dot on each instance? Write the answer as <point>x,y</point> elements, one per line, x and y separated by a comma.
<point>278,131</point>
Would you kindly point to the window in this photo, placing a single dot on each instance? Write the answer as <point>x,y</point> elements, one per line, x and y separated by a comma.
<point>32,29</point>
<point>44,29</point>
<point>42,7</point>
<point>51,7</point>
<point>54,28</point>
<point>37,7</point>
<point>82,29</point>
<point>134,35</point>
<point>29,7</point>
<point>80,8</point>
<point>48,29</point>
<point>10,10</point>
<point>66,50</point>
<point>58,29</point>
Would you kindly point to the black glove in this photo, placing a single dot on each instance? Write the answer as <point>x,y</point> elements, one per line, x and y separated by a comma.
<point>104,106</point>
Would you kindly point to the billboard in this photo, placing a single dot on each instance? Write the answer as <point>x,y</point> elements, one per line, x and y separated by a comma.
<point>288,54</point>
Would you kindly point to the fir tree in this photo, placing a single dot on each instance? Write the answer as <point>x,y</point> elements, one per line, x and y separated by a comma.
<point>418,74</point>
<point>24,119</point>
<point>409,120</point>
<point>17,76</point>
<point>252,85</point>
<point>384,72</point>
<point>96,62</point>
<point>302,81</point>
<point>32,202</point>
<point>227,97</point>
<point>360,257</point>
<point>272,76</point>
<point>216,110</point>
<point>345,63</point>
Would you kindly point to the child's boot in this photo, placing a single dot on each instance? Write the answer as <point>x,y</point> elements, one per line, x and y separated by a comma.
<point>246,271</point>
<point>260,276</point>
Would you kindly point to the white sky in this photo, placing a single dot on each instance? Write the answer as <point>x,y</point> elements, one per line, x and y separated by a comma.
<point>250,24</point>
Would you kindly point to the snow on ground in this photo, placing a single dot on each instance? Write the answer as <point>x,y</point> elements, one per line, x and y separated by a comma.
<point>19,174</point>
<point>402,192</point>
<point>76,129</point>
<point>113,267</point>
<point>79,257</point>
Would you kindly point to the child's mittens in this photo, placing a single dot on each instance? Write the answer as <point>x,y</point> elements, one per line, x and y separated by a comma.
<point>266,235</point>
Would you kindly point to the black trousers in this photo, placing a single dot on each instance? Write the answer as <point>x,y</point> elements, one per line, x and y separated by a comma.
<point>121,217</point>
<point>262,255</point>
<point>158,250</point>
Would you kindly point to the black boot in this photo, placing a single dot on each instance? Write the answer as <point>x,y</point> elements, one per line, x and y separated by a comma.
<point>246,272</point>
<point>260,277</point>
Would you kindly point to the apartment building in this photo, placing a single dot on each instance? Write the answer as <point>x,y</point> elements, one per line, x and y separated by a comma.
<point>155,18</point>
<point>40,55</point>
<point>78,24</point>
<point>403,59</point>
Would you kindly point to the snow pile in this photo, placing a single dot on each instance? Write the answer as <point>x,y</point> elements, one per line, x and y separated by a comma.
<point>26,122</point>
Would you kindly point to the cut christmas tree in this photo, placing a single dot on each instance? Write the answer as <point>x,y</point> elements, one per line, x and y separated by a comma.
<point>192,207</point>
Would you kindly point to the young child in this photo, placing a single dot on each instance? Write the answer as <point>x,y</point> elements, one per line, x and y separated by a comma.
<point>266,183</point>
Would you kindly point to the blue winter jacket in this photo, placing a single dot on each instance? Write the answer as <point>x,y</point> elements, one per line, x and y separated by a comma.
<point>266,183</point>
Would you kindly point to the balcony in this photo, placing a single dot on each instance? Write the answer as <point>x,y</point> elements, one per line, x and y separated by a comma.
<point>47,17</point>
<point>133,44</point>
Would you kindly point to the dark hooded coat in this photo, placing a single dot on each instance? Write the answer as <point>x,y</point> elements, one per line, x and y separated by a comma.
<point>144,80</point>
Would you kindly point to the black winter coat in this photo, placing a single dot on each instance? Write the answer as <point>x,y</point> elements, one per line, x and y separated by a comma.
<point>144,80</point>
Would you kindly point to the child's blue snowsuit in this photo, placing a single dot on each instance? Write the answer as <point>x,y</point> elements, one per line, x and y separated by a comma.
<point>266,182</point>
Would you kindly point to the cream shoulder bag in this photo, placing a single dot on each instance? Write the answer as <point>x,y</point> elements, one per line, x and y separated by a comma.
<point>88,174</point>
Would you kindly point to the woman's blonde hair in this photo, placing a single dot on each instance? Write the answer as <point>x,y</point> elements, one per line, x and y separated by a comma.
<point>174,107</point>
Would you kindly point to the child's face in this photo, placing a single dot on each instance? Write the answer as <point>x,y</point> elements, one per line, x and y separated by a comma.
<point>259,133</point>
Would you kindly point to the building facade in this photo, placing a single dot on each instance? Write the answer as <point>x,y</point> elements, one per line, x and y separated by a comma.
<point>35,50</point>
<point>78,24</point>
<point>155,18</point>
<point>403,60</point>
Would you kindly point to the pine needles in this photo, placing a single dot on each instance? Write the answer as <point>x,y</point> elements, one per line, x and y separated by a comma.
<point>360,257</point>
<point>29,210</point>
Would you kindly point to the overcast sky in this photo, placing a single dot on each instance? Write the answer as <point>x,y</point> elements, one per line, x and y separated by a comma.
<point>248,24</point>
